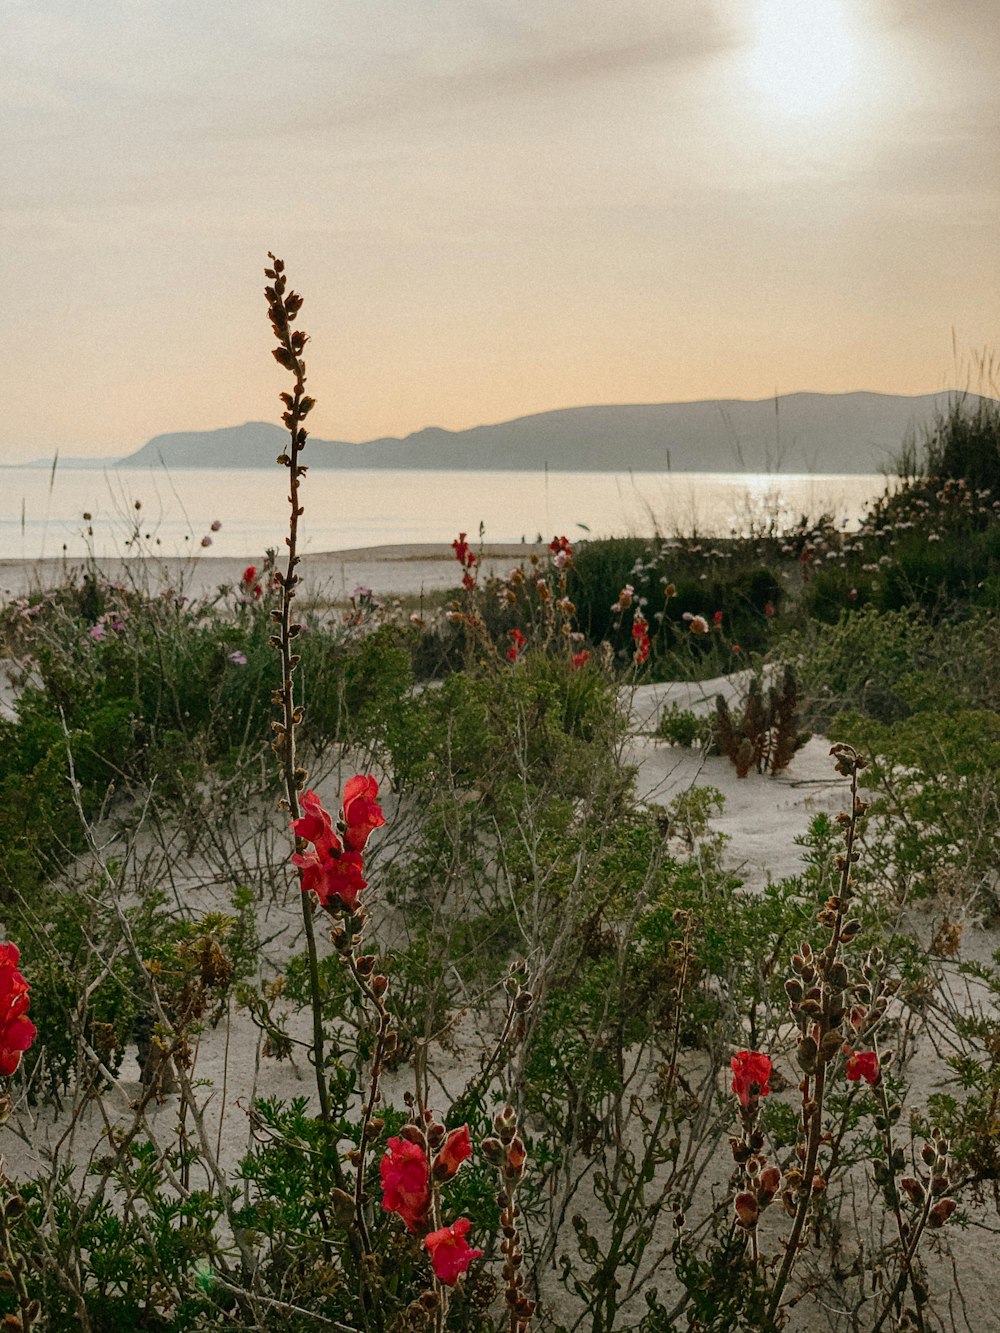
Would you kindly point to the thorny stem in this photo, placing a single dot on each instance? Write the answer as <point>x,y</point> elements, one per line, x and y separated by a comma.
<point>812,1106</point>
<point>282,311</point>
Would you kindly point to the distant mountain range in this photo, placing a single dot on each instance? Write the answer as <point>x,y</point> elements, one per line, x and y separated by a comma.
<point>798,432</point>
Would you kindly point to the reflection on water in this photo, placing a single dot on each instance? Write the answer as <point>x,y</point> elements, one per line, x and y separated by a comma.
<point>39,514</point>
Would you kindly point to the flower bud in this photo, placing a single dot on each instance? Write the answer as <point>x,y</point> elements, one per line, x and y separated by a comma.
<point>492,1150</point>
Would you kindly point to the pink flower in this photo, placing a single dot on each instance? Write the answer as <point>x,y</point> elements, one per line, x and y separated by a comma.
<point>751,1074</point>
<point>699,625</point>
<point>862,1065</point>
<point>450,1252</point>
<point>406,1182</point>
<point>17,1031</point>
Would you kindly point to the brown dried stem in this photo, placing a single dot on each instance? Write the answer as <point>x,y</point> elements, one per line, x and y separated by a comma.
<point>283,307</point>
<point>819,1048</point>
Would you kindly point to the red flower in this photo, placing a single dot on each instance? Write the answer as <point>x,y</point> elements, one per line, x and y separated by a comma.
<point>580,659</point>
<point>517,642</point>
<point>362,813</point>
<point>560,544</point>
<point>249,584</point>
<point>768,610</point>
<point>463,554</point>
<point>315,825</point>
<point>751,1072</point>
<point>16,1031</point>
<point>640,635</point>
<point>736,648</point>
<point>331,871</point>
<point>336,879</point>
<point>862,1064</point>
<point>450,1252</point>
<point>717,620</point>
<point>406,1182</point>
<point>456,1149</point>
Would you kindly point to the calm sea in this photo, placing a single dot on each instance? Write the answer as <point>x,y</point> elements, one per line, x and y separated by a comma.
<point>42,515</point>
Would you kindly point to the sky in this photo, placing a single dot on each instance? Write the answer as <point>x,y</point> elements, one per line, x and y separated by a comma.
<point>491,207</point>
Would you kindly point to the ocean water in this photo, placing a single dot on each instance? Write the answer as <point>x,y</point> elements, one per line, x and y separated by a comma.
<point>42,514</point>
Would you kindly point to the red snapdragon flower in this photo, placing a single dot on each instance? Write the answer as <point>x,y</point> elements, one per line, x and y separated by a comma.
<point>406,1182</point>
<point>336,877</point>
<point>332,870</point>
<point>315,825</point>
<point>362,813</point>
<point>517,642</point>
<point>17,1031</point>
<point>751,1072</point>
<point>717,620</point>
<point>580,659</point>
<point>463,554</point>
<point>249,584</point>
<point>468,559</point>
<point>456,1149</point>
<point>862,1065</point>
<point>450,1252</point>
<point>640,636</point>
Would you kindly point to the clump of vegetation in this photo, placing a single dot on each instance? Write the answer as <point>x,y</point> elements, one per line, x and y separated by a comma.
<point>766,736</point>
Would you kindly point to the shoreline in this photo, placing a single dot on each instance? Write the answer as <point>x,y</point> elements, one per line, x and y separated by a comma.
<point>407,569</point>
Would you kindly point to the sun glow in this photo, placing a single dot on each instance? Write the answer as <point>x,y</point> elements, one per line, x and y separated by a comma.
<point>805,55</point>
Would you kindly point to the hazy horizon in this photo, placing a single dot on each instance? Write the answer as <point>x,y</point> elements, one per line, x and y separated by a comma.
<point>492,210</point>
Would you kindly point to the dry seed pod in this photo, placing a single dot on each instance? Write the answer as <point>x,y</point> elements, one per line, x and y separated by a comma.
<point>747,1210</point>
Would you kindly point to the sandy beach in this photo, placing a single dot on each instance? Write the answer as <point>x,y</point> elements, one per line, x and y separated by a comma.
<point>404,570</point>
